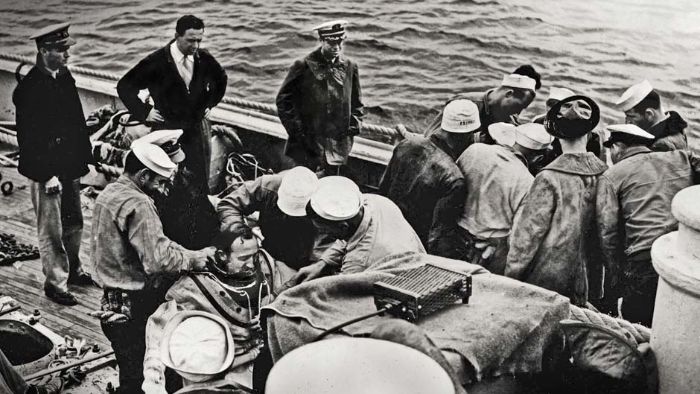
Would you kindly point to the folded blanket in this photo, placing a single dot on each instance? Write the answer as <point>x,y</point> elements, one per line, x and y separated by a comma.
<point>503,330</point>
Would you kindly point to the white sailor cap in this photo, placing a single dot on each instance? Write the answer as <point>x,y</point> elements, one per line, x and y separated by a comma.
<point>337,198</point>
<point>332,30</point>
<point>460,116</point>
<point>197,344</point>
<point>167,140</point>
<point>627,133</point>
<point>154,158</point>
<point>357,365</point>
<point>634,95</point>
<point>296,188</point>
<point>519,81</point>
<point>559,93</point>
<point>503,133</point>
<point>532,136</point>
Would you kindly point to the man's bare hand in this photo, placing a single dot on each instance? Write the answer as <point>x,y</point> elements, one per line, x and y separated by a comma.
<point>154,116</point>
<point>308,273</point>
<point>209,254</point>
<point>53,186</point>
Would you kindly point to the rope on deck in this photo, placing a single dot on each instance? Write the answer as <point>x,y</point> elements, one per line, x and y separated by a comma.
<point>640,333</point>
<point>239,102</point>
<point>8,137</point>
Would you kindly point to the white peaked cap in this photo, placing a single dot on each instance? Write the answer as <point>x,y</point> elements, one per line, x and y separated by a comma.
<point>532,136</point>
<point>503,133</point>
<point>196,344</point>
<point>559,93</point>
<point>519,81</point>
<point>154,158</point>
<point>630,129</point>
<point>296,188</point>
<point>340,23</point>
<point>337,198</point>
<point>357,365</point>
<point>460,116</point>
<point>160,137</point>
<point>634,95</point>
<point>163,137</point>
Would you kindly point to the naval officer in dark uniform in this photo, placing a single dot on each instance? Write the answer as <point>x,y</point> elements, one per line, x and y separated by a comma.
<point>54,151</point>
<point>320,103</point>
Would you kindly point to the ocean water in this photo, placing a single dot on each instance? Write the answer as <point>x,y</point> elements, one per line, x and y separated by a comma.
<point>413,55</point>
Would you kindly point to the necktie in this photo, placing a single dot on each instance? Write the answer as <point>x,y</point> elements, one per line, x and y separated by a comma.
<point>187,68</point>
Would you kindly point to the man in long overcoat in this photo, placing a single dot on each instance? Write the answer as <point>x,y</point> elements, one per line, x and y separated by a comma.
<point>320,103</point>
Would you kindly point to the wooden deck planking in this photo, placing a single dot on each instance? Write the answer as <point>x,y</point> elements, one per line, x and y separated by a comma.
<point>25,284</point>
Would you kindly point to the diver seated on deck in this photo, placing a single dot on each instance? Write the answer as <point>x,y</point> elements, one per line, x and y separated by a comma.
<point>231,294</point>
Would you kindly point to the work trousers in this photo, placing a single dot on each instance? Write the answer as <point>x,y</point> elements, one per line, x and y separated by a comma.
<point>59,229</point>
<point>128,339</point>
<point>640,282</point>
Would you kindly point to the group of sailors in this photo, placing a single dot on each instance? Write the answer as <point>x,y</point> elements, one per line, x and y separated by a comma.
<point>534,201</point>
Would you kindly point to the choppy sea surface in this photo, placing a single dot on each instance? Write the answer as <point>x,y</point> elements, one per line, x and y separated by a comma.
<point>413,55</point>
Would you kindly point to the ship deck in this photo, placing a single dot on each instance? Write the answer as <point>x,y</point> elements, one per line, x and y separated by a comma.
<point>24,281</point>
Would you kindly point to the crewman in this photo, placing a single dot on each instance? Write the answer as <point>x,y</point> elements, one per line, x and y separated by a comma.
<point>55,149</point>
<point>500,104</point>
<point>497,180</point>
<point>129,251</point>
<point>634,209</point>
<point>367,227</point>
<point>280,199</point>
<point>593,145</point>
<point>556,94</point>
<point>423,180</point>
<point>320,103</point>
<point>185,83</point>
<point>552,243</point>
<point>187,216</point>
<point>642,107</point>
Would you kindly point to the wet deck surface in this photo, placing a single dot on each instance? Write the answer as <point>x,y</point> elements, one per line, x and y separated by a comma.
<point>24,281</point>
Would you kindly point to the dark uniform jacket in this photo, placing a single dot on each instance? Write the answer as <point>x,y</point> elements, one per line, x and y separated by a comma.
<point>51,132</point>
<point>180,109</point>
<point>669,133</point>
<point>288,239</point>
<point>158,73</point>
<point>423,179</point>
<point>554,239</point>
<point>310,103</point>
<point>634,201</point>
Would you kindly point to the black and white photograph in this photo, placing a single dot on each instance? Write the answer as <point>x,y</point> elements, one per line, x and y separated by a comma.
<point>361,196</point>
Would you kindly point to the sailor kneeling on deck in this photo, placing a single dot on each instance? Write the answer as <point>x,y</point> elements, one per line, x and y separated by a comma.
<point>130,251</point>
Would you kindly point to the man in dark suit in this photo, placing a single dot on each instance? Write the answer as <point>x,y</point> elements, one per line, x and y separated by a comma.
<point>54,151</point>
<point>320,103</point>
<point>185,82</point>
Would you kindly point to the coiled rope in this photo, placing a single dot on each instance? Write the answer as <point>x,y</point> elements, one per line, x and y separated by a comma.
<point>635,332</point>
<point>263,107</point>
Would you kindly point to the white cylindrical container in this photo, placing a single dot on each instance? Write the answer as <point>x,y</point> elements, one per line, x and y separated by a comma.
<point>675,328</point>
